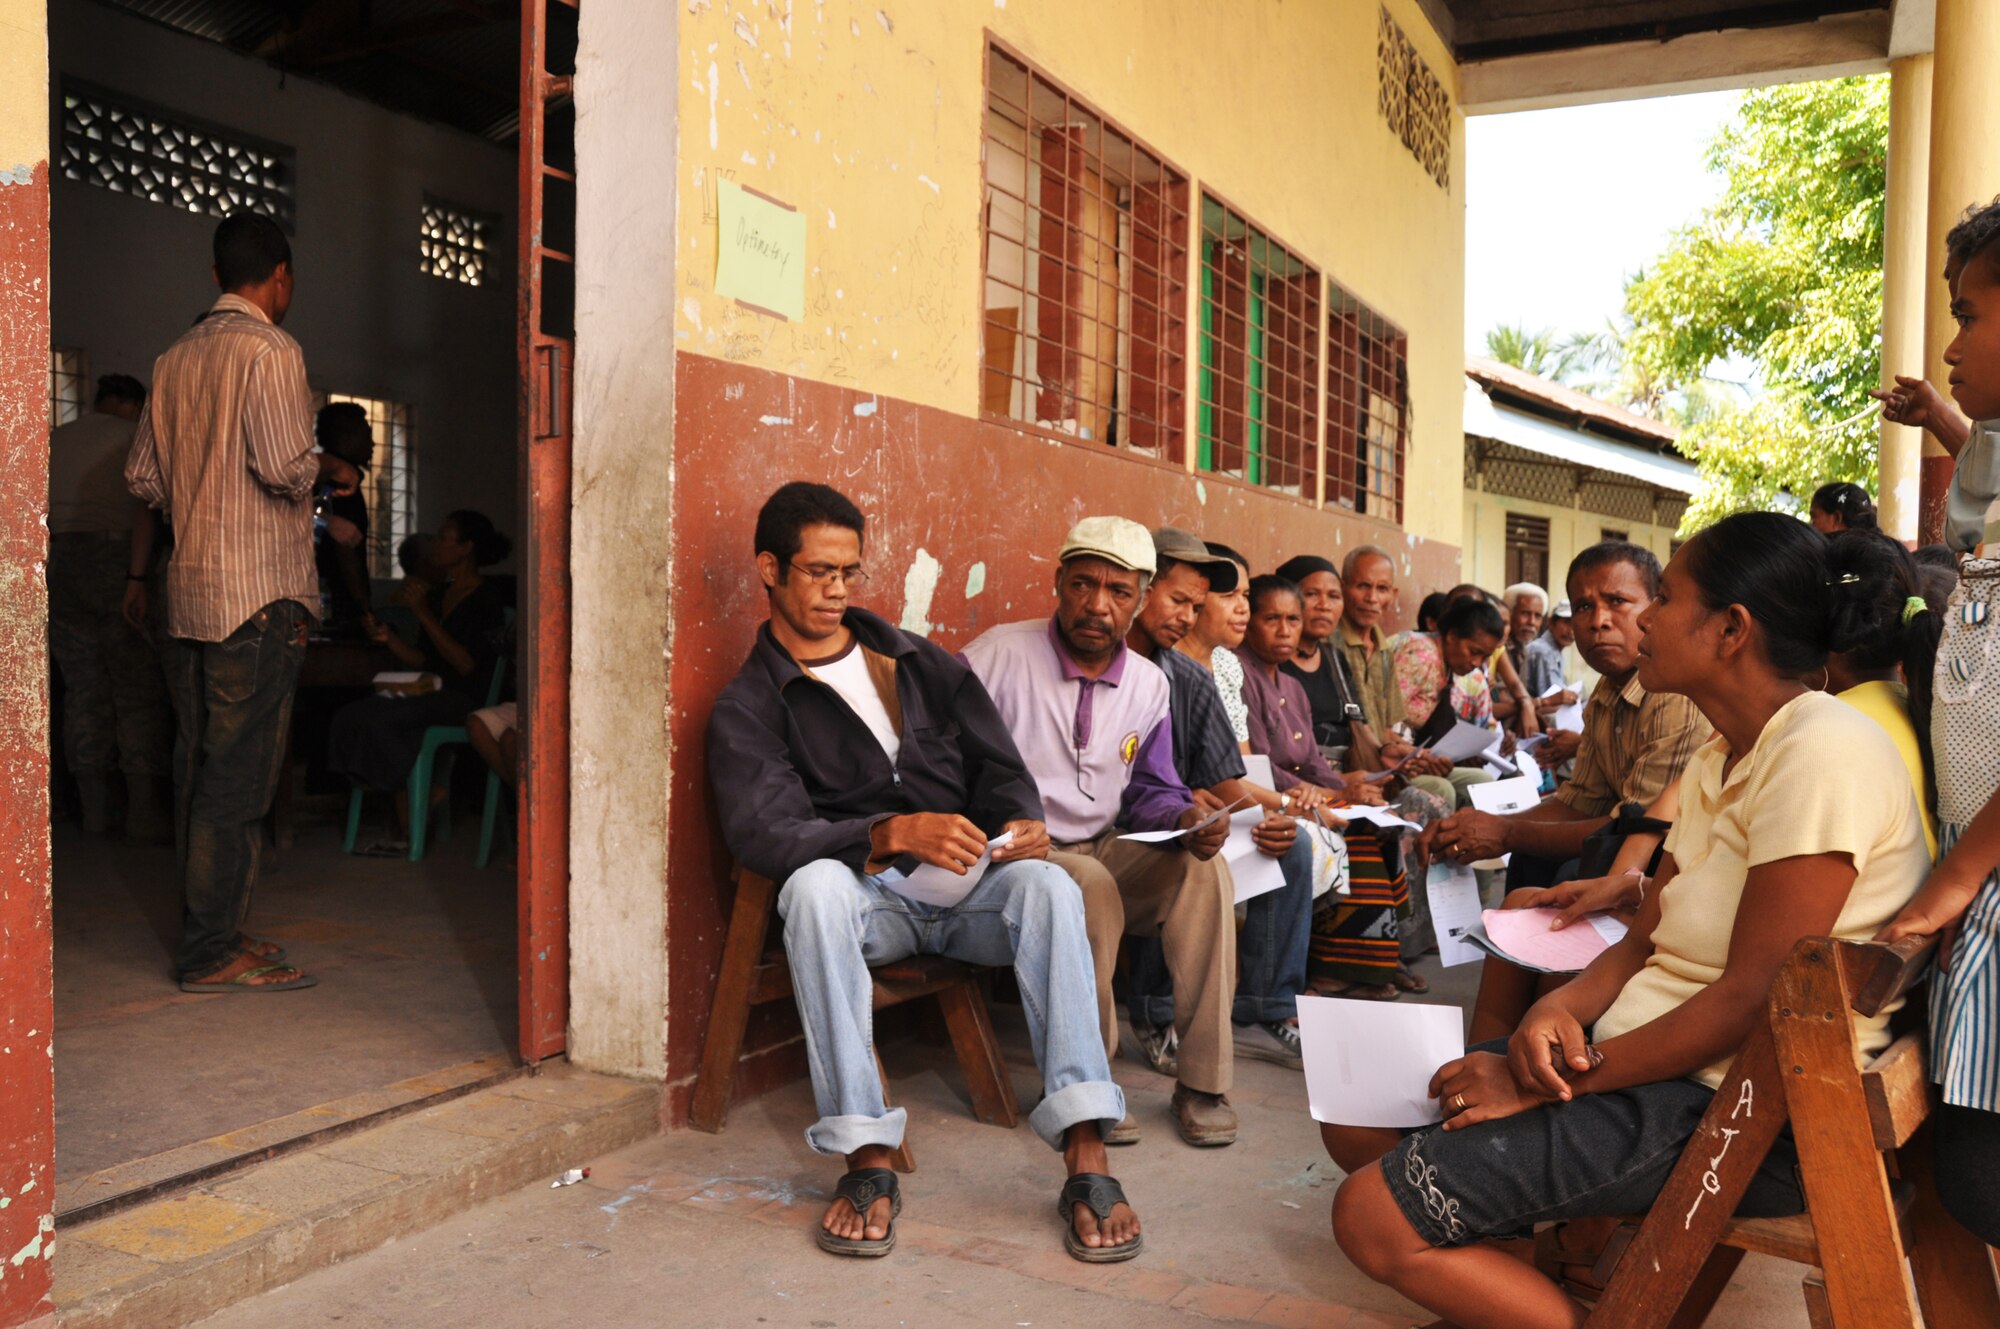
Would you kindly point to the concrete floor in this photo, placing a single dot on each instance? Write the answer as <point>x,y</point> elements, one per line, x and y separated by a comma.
<point>693,1229</point>
<point>416,969</point>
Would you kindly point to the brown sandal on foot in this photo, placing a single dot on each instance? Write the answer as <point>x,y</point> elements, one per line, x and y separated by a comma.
<point>1406,979</point>
<point>1359,991</point>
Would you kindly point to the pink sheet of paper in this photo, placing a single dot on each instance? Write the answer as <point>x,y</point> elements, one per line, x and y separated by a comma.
<point>1524,934</point>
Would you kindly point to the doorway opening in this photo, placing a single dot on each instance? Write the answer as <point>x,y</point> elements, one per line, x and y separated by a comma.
<point>392,145</point>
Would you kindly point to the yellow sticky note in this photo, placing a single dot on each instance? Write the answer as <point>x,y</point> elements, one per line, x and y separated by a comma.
<point>761,252</point>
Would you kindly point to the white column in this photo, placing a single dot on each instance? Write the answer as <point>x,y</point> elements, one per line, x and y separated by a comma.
<point>626,150</point>
<point>1904,277</point>
<point>1964,169</point>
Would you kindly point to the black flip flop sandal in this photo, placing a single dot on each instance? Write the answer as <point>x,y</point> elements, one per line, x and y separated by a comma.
<point>1101,1194</point>
<point>861,1188</point>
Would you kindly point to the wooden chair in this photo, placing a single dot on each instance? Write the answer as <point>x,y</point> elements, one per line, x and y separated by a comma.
<point>1864,1160</point>
<point>755,972</point>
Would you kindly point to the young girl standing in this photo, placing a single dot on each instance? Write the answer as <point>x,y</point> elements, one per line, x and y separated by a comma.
<point>1961,898</point>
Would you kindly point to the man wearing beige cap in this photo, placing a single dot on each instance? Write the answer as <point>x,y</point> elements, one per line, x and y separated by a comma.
<point>1091,720</point>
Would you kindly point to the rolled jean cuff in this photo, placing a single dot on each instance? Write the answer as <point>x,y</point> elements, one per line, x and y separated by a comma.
<point>844,1135</point>
<point>1100,1101</point>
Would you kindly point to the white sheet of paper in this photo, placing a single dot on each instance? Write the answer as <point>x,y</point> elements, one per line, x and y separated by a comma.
<point>936,886</point>
<point>1463,743</point>
<point>1369,1063</point>
<point>1570,717</point>
<point>1455,909</point>
<point>1503,798</point>
<point>1257,770</point>
<point>1553,688</point>
<point>1374,816</point>
<point>1254,872</point>
<point>1161,837</point>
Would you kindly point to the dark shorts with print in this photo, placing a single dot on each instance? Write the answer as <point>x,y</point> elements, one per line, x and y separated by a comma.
<point>1597,1156</point>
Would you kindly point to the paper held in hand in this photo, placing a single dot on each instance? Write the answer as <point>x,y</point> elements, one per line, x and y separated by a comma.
<point>1454,899</point>
<point>1161,837</point>
<point>1369,1063</point>
<point>1503,798</point>
<point>940,886</point>
<point>1254,872</point>
<point>1523,937</point>
<point>1463,743</point>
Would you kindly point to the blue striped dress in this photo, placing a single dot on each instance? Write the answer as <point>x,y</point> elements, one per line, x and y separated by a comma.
<point>1965,736</point>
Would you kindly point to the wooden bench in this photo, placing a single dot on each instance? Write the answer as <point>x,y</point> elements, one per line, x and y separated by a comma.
<point>754,972</point>
<point>1864,1159</point>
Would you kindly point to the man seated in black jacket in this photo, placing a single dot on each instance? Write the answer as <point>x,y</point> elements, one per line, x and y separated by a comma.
<point>867,770</point>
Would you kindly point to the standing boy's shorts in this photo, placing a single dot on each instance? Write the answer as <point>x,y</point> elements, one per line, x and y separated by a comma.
<point>1596,1156</point>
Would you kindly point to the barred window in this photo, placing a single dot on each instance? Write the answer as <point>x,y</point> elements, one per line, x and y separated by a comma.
<point>1083,330</point>
<point>1527,549</point>
<point>1367,408</point>
<point>1259,356</point>
<point>390,482</point>
<point>453,242</point>
<point>1612,536</point>
<point>123,145</point>
<point>1413,101</point>
<point>69,385</point>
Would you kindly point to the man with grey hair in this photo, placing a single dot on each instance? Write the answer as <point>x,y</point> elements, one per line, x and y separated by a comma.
<point>1091,720</point>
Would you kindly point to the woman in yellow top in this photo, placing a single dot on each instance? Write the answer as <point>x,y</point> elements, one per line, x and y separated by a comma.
<point>1796,820</point>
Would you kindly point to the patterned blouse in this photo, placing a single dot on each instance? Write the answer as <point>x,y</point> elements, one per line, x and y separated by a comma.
<point>1420,677</point>
<point>1228,671</point>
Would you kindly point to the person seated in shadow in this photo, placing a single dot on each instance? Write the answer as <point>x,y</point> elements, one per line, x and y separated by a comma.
<point>460,617</point>
<point>1798,820</point>
<point>340,536</point>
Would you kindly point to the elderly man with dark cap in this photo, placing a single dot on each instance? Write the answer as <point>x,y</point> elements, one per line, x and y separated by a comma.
<point>1271,945</point>
<point>1092,719</point>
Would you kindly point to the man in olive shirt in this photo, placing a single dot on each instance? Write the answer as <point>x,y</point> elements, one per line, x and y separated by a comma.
<point>1634,744</point>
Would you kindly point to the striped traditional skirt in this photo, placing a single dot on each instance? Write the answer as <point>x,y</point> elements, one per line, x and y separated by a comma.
<point>1965,999</point>
<point>1354,936</point>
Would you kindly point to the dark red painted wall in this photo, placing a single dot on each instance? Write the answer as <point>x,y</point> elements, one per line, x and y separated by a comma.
<point>27,1009</point>
<point>967,492</point>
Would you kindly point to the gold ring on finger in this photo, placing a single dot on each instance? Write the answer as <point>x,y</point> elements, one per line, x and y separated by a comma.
<point>1459,1099</point>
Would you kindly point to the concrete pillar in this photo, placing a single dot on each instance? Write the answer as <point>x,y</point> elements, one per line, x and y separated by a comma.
<point>1964,169</point>
<point>1904,276</point>
<point>627,157</point>
<point>27,1006</point>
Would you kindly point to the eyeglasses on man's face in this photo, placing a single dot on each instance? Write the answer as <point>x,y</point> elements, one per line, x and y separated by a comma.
<point>821,575</point>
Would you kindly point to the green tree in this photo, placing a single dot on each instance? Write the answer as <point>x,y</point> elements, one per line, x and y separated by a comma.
<point>1785,271</point>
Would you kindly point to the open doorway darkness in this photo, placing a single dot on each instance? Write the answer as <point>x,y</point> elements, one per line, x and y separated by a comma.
<point>386,116</point>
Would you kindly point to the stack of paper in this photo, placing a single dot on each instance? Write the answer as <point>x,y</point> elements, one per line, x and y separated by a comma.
<point>1523,937</point>
<point>1370,1063</point>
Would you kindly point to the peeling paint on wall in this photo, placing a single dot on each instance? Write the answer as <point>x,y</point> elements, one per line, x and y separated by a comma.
<point>975,580</point>
<point>919,585</point>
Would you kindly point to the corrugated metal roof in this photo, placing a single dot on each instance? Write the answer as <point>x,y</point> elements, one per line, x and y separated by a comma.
<point>449,61</point>
<point>1532,433</point>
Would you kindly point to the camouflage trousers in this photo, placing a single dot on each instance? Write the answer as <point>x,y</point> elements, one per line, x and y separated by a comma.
<point>116,712</point>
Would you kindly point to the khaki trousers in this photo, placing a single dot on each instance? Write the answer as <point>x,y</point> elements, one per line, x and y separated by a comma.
<point>1189,904</point>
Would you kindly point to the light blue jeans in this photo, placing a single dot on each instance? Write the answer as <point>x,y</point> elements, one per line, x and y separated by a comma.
<point>1272,946</point>
<point>1028,914</point>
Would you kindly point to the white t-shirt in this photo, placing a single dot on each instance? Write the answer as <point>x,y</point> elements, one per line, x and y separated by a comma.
<point>847,674</point>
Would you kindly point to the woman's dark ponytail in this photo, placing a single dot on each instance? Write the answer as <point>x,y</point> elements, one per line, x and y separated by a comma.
<point>1880,619</point>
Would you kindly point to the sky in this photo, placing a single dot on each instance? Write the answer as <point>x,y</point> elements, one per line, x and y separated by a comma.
<point>1562,206</point>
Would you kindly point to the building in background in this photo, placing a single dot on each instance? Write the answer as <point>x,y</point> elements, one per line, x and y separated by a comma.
<point>1550,471</point>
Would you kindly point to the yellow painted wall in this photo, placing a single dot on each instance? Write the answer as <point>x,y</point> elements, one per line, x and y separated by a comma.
<point>1570,531</point>
<point>869,118</point>
<point>24,85</point>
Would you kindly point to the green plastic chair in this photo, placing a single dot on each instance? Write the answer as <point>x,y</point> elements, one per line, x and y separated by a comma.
<point>489,817</point>
<point>437,738</point>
